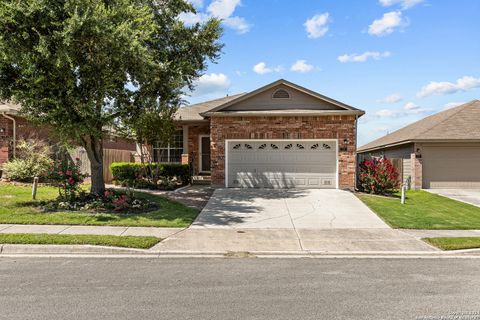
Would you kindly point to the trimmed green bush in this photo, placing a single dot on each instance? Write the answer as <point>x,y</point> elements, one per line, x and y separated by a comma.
<point>127,172</point>
<point>144,175</point>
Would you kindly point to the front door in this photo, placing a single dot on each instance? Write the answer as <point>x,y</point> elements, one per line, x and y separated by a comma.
<point>205,154</point>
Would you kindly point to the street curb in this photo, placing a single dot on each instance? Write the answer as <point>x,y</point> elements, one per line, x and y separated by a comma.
<point>19,250</point>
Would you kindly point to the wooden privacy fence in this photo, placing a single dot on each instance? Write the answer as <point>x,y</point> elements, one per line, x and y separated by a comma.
<point>109,156</point>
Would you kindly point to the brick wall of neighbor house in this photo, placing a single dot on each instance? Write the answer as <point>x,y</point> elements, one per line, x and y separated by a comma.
<point>194,133</point>
<point>117,143</point>
<point>26,130</point>
<point>318,127</point>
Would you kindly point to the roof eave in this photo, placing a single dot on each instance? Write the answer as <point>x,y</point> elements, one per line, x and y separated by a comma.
<point>390,145</point>
<point>358,113</point>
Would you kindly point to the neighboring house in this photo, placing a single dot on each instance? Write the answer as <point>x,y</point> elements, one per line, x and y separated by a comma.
<point>440,151</point>
<point>14,127</point>
<point>280,135</point>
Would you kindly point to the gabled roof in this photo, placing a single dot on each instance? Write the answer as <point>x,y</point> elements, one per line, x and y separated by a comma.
<point>9,108</point>
<point>192,113</point>
<point>342,106</point>
<point>459,123</point>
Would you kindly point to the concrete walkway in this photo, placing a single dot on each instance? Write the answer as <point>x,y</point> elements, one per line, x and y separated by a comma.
<point>96,230</point>
<point>470,196</point>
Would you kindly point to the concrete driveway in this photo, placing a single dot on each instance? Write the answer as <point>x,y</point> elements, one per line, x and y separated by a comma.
<point>471,196</point>
<point>286,209</point>
<point>289,220</point>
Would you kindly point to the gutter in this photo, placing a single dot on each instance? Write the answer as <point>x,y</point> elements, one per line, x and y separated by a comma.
<point>275,113</point>
<point>4,114</point>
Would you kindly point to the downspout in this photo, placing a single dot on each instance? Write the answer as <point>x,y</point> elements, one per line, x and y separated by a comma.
<point>356,155</point>
<point>14,131</point>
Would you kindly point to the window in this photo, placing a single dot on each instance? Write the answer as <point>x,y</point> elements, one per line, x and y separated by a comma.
<point>172,152</point>
<point>281,94</point>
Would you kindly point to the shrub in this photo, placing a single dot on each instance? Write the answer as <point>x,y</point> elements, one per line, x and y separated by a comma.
<point>33,159</point>
<point>148,175</point>
<point>69,177</point>
<point>127,172</point>
<point>378,176</point>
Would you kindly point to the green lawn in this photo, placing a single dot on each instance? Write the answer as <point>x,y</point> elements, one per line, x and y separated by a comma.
<point>424,210</point>
<point>98,240</point>
<point>455,243</point>
<point>16,206</point>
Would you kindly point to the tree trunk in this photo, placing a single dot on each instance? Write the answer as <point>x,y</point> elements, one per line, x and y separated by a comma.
<point>94,148</point>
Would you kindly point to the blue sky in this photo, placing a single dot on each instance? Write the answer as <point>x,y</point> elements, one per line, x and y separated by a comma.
<point>399,60</point>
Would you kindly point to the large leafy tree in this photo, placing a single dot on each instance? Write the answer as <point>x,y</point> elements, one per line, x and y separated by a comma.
<point>83,66</point>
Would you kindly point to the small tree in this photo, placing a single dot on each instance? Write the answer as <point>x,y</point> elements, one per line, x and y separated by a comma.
<point>81,66</point>
<point>378,176</point>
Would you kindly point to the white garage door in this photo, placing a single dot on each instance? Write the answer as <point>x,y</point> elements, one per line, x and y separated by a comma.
<point>282,163</point>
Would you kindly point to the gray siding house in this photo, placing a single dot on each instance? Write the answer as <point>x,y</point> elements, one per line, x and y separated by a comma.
<point>439,151</point>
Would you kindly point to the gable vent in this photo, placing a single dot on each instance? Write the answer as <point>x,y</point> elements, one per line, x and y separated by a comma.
<point>281,94</point>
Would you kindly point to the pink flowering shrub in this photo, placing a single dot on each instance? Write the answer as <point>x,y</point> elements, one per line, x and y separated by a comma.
<point>68,177</point>
<point>378,176</point>
<point>118,201</point>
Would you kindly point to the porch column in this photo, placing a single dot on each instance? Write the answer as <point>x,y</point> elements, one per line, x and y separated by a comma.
<point>416,164</point>
<point>185,157</point>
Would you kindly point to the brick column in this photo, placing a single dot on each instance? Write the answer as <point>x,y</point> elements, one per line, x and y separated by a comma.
<point>416,171</point>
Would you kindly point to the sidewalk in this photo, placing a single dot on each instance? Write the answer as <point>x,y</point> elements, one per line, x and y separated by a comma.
<point>224,241</point>
<point>96,230</point>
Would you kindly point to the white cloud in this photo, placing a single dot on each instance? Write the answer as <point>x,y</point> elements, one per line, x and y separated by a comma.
<point>375,55</point>
<point>261,68</point>
<point>451,105</point>
<point>190,18</point>
<point>238,23</point>
<point>463,84</point>
<point>316,26</point>
<point>301,66</point>
<point>387,23</point>
<point>221,9</point>
<point>405,4</point>
<point>211,83</point>
<point>393,98</point>
<point>409,108</point>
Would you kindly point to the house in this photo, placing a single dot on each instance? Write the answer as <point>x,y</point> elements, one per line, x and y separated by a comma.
<point>440,151</point>
<point>280,135</point>
<point>13,127</point>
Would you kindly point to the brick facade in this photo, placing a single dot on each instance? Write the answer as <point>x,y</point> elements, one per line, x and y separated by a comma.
<point>283,127</point>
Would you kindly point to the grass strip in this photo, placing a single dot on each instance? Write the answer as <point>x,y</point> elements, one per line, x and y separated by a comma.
<point>81,239</point>
<point>454,243</point>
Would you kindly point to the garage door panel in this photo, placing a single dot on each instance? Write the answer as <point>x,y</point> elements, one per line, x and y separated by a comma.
<point>282,164</point>
<point>451,167</point>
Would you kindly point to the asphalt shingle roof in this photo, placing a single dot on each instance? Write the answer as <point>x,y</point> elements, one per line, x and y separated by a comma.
<point>192,113</point>
<point>459,123</point>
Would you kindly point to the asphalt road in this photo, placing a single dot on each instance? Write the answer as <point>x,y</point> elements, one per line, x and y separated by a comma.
<point>74,288</point>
